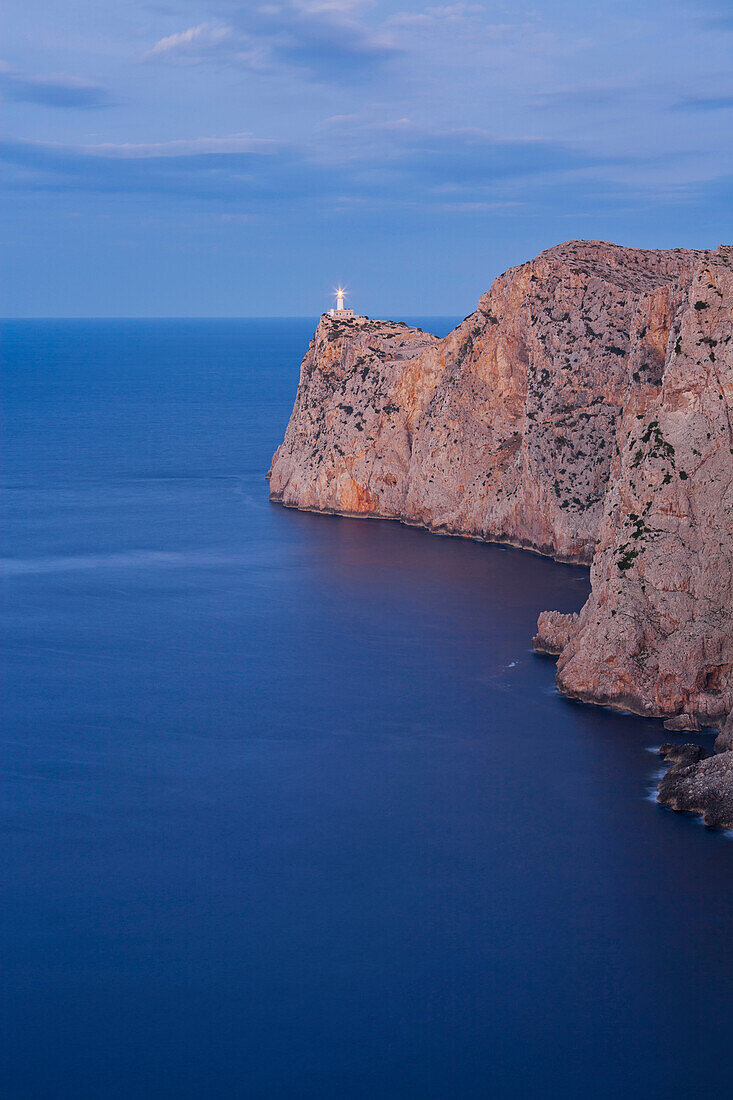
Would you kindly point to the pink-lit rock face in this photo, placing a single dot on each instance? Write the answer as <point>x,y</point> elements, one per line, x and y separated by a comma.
<point>583,411</point>
<point>656,634</point>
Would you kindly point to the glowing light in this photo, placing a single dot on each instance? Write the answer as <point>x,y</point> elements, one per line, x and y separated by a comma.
<point>339,294</point>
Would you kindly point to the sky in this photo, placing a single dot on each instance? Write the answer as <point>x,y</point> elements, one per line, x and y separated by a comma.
<point>215,158</point>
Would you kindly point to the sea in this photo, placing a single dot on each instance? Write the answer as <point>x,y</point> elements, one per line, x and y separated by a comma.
<point>290,807</point>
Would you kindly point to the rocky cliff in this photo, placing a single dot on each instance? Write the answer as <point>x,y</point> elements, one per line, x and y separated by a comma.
<point>584,411</point>
<point>656,634</point>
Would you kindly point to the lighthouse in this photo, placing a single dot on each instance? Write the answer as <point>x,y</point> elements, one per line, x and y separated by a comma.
<point>340,313</point>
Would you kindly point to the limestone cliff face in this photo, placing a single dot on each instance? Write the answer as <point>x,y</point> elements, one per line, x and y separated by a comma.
<point>584,410</point>
<point>656,634</point>
<point>347,447</point>
<point>506,429</point>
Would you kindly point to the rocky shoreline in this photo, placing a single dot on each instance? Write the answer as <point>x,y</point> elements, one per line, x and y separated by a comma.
<point>585,411</point>
<point>698,783</point>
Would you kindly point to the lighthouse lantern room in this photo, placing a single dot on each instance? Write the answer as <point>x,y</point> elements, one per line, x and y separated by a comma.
<point>340,313</point>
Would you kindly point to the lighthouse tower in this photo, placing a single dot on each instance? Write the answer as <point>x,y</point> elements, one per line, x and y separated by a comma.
<point>340,313</point>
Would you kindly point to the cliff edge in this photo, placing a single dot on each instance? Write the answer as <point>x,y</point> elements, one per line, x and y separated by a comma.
<point>583,411</point>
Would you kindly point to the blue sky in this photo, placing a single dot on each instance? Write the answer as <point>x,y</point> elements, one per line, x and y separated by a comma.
<point>208,157</point>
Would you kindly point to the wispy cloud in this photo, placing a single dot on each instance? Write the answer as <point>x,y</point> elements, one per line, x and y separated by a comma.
<point>437,13</point>
<point>52,90</point>
<point>194,40</point>
<point>208,170</point>
<point>327,40</point>
<point>430,160</point>
<point>589,97</point>
<point>202,146</point>
<point>449,16</point>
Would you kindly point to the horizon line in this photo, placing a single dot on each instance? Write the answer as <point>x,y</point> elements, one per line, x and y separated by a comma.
<point>200,317</point>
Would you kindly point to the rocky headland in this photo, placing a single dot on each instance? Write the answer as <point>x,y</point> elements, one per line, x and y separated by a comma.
<point>584,411</point>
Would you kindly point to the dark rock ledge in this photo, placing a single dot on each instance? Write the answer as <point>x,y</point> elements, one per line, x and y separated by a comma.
<point>699,783</point>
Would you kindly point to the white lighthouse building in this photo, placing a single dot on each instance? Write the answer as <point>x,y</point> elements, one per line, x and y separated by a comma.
<point>340,313</point>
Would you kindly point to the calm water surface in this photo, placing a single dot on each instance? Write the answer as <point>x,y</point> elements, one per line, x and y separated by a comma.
<point>291,809</point>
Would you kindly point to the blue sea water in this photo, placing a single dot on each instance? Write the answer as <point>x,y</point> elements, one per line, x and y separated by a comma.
<point>291,810</point>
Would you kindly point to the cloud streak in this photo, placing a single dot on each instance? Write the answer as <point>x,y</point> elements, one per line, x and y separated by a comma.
<point>397,165</point>
<point>194,40</point>
<point>53,90</point>
<point>704,103</point>
<point>218,170</point>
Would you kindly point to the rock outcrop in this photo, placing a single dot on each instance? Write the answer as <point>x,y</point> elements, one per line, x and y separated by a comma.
<point>585,410</point>
<point>554,631</point>
<point>698,783</point>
